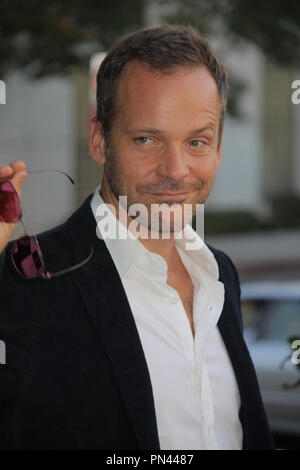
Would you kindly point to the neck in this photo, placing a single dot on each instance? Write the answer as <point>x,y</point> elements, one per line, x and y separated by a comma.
<point>164,248</point>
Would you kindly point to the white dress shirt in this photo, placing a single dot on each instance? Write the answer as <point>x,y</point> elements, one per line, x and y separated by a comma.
<point>195,392</point>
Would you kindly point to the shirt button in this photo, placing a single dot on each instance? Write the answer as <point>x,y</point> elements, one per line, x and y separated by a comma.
<point>173,300</point>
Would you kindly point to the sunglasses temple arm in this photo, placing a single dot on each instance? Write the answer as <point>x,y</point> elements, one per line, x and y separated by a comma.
<point>72,268</point>
<point>55,171</point>
<point>33,233</point>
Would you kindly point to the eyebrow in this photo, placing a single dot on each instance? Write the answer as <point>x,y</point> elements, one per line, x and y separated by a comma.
<point>150,130</point>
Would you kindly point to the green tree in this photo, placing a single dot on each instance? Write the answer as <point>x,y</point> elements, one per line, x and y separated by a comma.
<point>272,25</point>
<point>52,36</point>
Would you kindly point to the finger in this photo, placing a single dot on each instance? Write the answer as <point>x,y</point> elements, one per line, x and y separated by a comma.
<point>5,171</point>
<point>16,173</point>
<point>18,165</point>
<point>8,170</point>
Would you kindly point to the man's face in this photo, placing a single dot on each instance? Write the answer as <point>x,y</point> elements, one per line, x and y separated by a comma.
<point>164,138</point>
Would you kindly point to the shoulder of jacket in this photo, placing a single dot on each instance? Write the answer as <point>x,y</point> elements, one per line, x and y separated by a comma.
<point>224,261</point>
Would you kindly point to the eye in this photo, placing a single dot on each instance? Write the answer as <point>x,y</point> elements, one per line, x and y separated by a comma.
<point>196,143</point>
<point>143,140</point>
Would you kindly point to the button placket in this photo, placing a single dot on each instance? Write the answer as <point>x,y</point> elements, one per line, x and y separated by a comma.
<point>184,329</point>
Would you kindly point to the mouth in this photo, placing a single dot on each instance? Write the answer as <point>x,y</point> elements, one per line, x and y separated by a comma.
<point>170,196</point>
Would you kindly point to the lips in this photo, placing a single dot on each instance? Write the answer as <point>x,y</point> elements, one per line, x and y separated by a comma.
<point>173,196</point>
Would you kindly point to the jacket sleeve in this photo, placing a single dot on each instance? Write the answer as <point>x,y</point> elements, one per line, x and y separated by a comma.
<point>2,256</point>
<point>12,355</point>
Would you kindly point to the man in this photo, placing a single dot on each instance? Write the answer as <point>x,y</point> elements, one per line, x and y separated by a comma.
<point>142,347</point>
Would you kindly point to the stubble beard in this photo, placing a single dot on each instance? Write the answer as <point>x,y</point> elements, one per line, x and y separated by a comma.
<point>158,223</point>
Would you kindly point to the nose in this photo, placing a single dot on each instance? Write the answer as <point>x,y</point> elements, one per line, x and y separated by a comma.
<point>173,164</point>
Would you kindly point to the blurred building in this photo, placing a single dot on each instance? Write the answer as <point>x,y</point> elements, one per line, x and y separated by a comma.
<point>37,125</point>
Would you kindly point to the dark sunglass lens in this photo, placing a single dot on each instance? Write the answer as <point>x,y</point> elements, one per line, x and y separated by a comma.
<point>10,210</point>
<point>26,259</point>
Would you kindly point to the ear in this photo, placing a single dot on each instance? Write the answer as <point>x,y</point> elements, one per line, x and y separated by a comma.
<point>97,142</point>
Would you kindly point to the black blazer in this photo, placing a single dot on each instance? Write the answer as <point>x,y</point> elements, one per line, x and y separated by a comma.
<point>75,375</point>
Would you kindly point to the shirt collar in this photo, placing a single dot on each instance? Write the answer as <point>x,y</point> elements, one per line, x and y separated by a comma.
<point>129,251</point>
<point>124,252</point>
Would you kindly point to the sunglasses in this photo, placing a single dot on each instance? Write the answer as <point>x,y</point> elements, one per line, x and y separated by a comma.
<point>26,254</point>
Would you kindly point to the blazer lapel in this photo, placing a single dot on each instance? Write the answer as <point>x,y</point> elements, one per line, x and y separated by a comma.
<point>106,302</point>
<point>235,345</point>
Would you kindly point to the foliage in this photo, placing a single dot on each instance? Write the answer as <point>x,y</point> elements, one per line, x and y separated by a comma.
<point>272,25</point>
<point>52,36</point>
<point>285,214</point>
<point>286,211</point>
<point>231,221</point>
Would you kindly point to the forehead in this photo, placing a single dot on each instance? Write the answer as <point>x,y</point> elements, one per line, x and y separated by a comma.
<point>185,92</point>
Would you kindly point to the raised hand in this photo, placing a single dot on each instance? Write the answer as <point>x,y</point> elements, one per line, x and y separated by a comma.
<point>16,173</point>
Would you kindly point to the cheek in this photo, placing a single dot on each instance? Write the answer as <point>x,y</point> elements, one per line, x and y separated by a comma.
<point>132,173</point>
<point>205,168</point>
<point>139,170</point>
